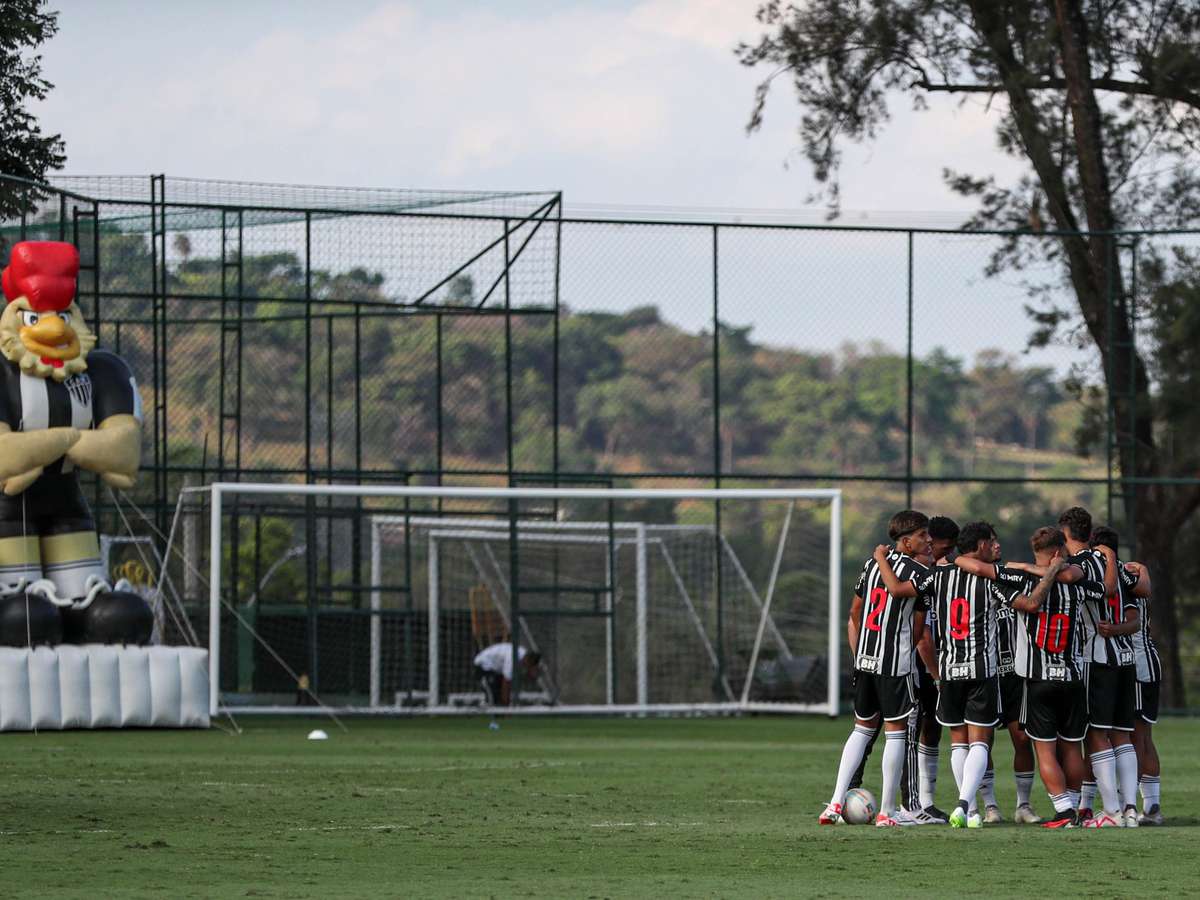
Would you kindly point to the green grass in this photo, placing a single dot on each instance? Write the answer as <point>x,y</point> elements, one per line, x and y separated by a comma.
<point>552,808</point>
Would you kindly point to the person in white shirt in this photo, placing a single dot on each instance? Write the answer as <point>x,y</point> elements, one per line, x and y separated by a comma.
<point>494,670</point>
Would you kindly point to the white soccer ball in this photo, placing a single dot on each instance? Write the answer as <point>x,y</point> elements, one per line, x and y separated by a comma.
<point>317,735</point>
<point>859,807</point>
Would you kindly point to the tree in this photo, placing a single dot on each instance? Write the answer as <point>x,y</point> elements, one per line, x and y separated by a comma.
<point>24,151</point>
<point>1101,101</point>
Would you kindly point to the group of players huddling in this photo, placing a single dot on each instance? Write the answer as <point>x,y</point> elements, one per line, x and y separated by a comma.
<point>944,634</point>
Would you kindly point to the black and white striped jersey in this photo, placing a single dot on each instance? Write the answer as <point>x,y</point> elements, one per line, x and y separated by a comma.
<point>1145,653</point>
<point>1006,618</point>
<point>967,630</point>
<point>29,403</point>
<point>885,639</point>
<point>1094,647</point>
<point>1046,641</point>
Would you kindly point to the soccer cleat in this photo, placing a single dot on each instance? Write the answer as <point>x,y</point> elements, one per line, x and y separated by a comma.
<point>883,820</point>
<point>1130,817</point>
<point>974,820</point>
<point>992,815</point>
<point>832,815</point>
<point>1085,813</point>
<point>1065,819</point>
<point>922,817</point>
<point>1151,817</point>
<point>904,817</point>
<point>935,813</point>
<point>1026,816</point>
<point>958,818</point>
<point>1104,820</point>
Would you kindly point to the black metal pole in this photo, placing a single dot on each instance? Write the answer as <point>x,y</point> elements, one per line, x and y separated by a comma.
<point>716,361</point>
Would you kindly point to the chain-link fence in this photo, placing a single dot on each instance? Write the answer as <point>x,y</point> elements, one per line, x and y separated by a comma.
<point>325,335</point>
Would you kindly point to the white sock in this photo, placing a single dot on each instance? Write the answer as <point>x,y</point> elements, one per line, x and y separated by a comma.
<point>1104,767</point>
<point>1074,795</point>
<point>958,756</point>
<point>1062,802</point>
<point>1024,787</point>
<point>988,786</point>
<point>1087,795</point>
<point>1151,788</point>
<point>1127,776</point>
<point>973,772</point>
<point>852,754</point>
<point>893,765</point>
<point>929,770</point>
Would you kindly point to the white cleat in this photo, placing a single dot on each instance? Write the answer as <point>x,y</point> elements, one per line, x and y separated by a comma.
<point>1152,817</point>
<point>1131,817</point>
<point>974,820</point>
<point>992,816</point>
<point>1026,816</point>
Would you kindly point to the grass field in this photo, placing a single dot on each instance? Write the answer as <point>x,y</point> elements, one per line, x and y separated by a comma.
<point>552,808</point>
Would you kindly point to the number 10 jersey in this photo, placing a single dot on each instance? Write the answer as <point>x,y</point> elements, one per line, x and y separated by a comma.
<point>1046,642</point>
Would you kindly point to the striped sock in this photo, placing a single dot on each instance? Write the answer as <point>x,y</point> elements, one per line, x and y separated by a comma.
<point>1024,787</point>
<point>1151,787</point>
<point>1074,795</point>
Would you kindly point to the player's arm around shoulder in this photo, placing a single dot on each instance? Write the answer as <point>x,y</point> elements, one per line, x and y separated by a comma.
<point>901,590</point>
<point>1031,602</point>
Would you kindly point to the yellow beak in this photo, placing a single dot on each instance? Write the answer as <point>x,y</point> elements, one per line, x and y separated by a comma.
<point>50,338</point>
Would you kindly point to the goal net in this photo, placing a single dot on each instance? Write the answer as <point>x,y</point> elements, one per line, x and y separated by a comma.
<point>637,600</point>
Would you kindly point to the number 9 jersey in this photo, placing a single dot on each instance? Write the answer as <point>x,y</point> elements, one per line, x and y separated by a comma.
<point>967,626</point>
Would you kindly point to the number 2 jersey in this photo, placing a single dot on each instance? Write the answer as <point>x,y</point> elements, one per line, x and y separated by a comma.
<point>967,631</point>
<point>1045,642</point>
<point>885,640</point>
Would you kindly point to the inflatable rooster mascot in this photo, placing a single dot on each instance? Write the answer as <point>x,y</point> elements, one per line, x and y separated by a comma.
<point>63,407</point>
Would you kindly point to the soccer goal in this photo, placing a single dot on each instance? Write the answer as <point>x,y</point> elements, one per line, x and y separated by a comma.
<point>639,601</point>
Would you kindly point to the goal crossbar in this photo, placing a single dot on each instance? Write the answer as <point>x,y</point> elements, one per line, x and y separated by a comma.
<point>219,490</point>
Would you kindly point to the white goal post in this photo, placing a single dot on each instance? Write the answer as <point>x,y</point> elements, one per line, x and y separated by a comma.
<point>643,573</point>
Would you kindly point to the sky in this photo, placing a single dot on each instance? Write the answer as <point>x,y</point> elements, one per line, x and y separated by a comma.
<point>628,106</point>
<point>614,102</point>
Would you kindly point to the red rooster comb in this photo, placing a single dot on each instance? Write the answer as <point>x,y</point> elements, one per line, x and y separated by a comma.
<point>44,273</point>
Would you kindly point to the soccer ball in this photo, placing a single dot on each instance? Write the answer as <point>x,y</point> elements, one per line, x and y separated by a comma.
<point>859,807</point>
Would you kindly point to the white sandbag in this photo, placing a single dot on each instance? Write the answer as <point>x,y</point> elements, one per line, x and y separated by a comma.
<point>134,663</point>
<point>164,686</point>
<point>14,690</point>
<point>74,686</point>
<point>45,707</point>
<point>193,694</point>
<point>104,675</point>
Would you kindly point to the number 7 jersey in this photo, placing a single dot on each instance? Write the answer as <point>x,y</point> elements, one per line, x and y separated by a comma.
<point>885,640</point>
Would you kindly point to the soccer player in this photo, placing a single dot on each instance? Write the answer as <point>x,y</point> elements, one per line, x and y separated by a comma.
<point>1149,675</point>
<point>881,631</point>
<point>918,778</point>
<point>1012,688</point>
<point>1053,701</point>
<point>1109,676</point>
<point>943,533</point>
<point>1133,591</point>
<point>964,608</point>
